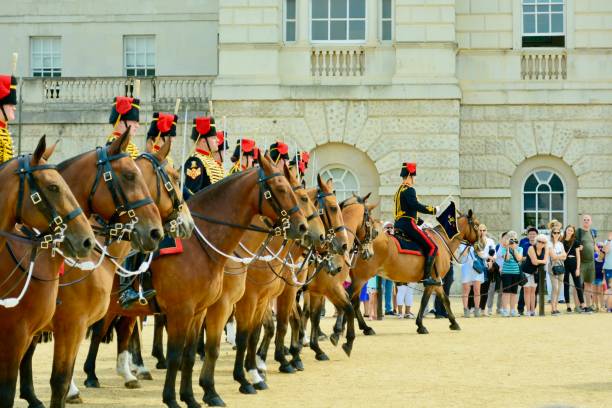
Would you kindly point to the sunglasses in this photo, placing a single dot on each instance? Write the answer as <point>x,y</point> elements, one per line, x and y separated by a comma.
<point>556,232</point>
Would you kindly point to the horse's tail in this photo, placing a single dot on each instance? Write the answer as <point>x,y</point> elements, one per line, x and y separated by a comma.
<point>95,329</point>
<point>45,337</point>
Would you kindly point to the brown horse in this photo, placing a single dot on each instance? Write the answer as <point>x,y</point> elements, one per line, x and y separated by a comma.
<point>36,306</point>
<point>117,193</point>
<point>390,264</point>
<point>331,214</point>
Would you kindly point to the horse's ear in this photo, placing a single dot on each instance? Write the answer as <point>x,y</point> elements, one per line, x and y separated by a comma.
<point>330,184</point>
<point>121,143</point>
<point>265,162</point>
<point>470,214</point>
<point>40,150</point>
<point>367,196</point>
<point>320,182</point>
<point>288,173</point>
<point>372,206</point>
<point>164,150</point>
<point>49,150</point>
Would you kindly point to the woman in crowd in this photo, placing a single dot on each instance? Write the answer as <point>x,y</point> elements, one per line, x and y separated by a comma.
<point>557,266</point>
<point>404,299</point>
<point>537,258</point>
<point>373,297</point>
<point>484,248</point>
<point>607,268</point>
<point>572,268</point>
<point>511,274</point>
<point>469,278</point>
<point>598,283</point>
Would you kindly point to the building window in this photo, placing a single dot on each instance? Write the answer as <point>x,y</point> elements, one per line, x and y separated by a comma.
<point>543,199</point>
<point>338,20</point>
<point>543,23</point>
<point>386,20</point>
<point>46,58</point>
<point>290,20</point>
<point>139,55</point>
<point>345,182</point>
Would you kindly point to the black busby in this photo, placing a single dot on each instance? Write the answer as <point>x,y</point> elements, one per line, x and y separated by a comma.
<point>279,150</point>
<point>408,169</point>
<point>8,90</point>
<point>124,108</point>
<point>248,148</point>
<point>222,142</point>
<point>203,126</point>
<point>163,124</point>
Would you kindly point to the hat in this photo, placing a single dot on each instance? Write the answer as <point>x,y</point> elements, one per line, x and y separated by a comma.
<point>8,90</point>
<point>203,126</point>
<point>279,150</point>
<point>163,124</point>
<point>124,108</point>
<point>301,159</point>
<point>248,148</point>
<point>222,143</point>
<point>408,169</point>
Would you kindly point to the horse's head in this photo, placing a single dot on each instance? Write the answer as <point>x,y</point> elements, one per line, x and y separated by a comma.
<point>467,224</point>
<point>316,229</point>
<point>277,200</point>
<point>332,215</point>
<point>125,199</point>
<point>45,202</point>
<point>163,182</point>
<point>365,233</point>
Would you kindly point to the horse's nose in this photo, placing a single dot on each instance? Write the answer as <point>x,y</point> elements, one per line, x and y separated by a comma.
<point>303,228</point>
<point>156,234</point>
<point>87,244</point>
<point>321,238</point>
<point>344,246</point>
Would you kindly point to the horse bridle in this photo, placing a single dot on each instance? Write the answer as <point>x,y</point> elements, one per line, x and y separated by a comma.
<point>360,246</point>
<point>113,228</point>
<point>175,219</point>
<point>325,217</point>
<point>266,193</point>
<point>57,223</point>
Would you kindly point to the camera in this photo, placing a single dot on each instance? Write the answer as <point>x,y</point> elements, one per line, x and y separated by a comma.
<point>513,241</point>
<point>491,252</point>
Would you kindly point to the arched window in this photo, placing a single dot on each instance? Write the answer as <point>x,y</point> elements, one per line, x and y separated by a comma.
<point>543,199</point>
<point>345,182</point>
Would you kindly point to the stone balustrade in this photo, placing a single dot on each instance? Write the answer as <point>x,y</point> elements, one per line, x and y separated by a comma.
<point>337,62</point>
<point>544,65</point>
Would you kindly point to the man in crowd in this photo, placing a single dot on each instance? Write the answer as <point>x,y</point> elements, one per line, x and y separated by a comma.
<point>532,234</point>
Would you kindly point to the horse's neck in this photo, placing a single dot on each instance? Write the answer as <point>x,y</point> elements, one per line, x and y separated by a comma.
<point>352,222</point>
<point>80,179</point>
<point>8,204</point>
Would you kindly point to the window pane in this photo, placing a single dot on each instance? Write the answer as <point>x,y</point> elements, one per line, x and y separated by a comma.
<point>543,26</point>
<point>557,202</point>
<point>357,8</point>
<point>531,184</point>
<point>529,219</point>
<point>529,1</point>
<point>544,202</point>
<point>558,7</point>
<point>319,8</point>
<point>558,216</point>
<point>555,183</point>
<point>338,8</point>
<point>529,202</point>
<point>150,72</point>
<point>528,9</point>
<point>543,9</point>
<point>150,60</point>
<point>130,45</point>
<point>338,30</point>
<point>529,23</point>
<point>543,188</point>
<point>140,72</point>
<point>140,60</point>
<point>557,23</point>
<point>386,31</point>
<point>386,9</point>
<point>130,72</point>
<point>357,30</point>
<point>290,9</point>
<point>290,36</point>
<point>319,30</point>
<point>543,176</point>
<point>543,220</point>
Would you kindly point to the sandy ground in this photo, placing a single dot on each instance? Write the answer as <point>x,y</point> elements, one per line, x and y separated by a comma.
<point>493,362</point>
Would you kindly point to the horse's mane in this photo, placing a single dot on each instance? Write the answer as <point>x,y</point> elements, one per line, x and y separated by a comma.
<point>71,160</point>
<point>358,199</point>
<point>221,183</point>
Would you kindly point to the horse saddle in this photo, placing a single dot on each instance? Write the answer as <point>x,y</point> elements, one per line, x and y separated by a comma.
<point>169,246</point>
<point>405,245</point>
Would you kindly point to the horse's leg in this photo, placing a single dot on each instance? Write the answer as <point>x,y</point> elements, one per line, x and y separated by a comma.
<point>447,306</point>
<point>188,360</point>
<point>244,315</point>
<point>363,326</point>
<point>124,328</point>
<point>296,345</point>
<point>178,322</point>
<point>98,330</point>
<point>305,318</point>
<point>216,316</point>
<point>201,346</point>
<point>26,380</point>
<point>67,339</point>
<point>158,341</point>
<point>135,347</point>
<point>316,304</point>
<point>282,320</point>
<point>424,302</point>
<point>250,363</point>
<point>340,299</point>
<point>268,326</point>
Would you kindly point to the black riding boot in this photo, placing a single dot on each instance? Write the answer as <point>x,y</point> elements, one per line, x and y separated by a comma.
<point>146,281</point>
<point>427,279</point>
<point>127,295</point>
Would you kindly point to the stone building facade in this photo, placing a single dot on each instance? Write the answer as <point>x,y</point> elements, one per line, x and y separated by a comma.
<point>505,104</point>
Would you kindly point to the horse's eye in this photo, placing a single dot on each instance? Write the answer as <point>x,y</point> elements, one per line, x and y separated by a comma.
<point>304,199</point>
<point>54,188</point>
<point>129,176</point>
<point>334,209</point>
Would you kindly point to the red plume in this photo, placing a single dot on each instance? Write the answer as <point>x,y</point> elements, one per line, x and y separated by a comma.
<point>247,145</point>
<point>411,167</point>
<point>220,137</point>
<point>203,125</point>
<point>123,104</point>
<point>282,147</point>
<point>164,122</point>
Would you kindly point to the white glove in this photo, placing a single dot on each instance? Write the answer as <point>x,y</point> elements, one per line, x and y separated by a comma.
<point>437,208</point>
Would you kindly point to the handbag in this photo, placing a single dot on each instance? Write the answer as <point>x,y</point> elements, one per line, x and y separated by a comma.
<point>479,265</point>
<point>558,270</point>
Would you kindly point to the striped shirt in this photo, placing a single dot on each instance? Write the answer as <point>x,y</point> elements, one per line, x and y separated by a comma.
<point>511,267</point>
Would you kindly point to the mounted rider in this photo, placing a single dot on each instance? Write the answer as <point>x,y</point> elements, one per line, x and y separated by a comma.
<point>279,153</point>
<point>407,207</point>
<point>162,127</point>
<point>300,161</point>
<point>125,113</point>
<point>8,102</point>
<point>245,155</point>
<point>222,146</point>
<point>201,169</point>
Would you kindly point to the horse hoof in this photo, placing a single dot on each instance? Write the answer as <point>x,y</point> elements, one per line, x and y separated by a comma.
<point>172,404</point>
<point>347,349</point>
<point>92,383</point>
<point>37,404</point>
<point>161,365</point>
<point>191,402</point>
<point>322,357</point>
<point>260,386</point>
<point>287,369</point>
<point>132,385</point>
<point>369,332</point>
<point>247,389</point>
<point>214,401</point>
<point>298,365</point>
<point>75,399</point>
<point>145,375</point>
<point>422,330</point>
<point>262,373</point>
<point>455,326</point>
<point>334,339</point>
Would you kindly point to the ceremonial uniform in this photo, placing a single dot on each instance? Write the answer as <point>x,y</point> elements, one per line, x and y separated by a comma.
<point>407,207</point>
<point>201,169</point>
<point>244,148</point>
<point>8,96</point>
<point>124,108</point>
<point>279,150</point>
<point>300,160</point>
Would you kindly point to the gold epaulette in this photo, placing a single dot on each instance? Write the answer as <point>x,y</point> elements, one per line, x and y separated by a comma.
<point>132,150</point>
<point>213,169</point>
<point>6,145</point>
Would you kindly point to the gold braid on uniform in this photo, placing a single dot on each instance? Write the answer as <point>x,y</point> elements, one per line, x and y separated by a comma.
<point>6,145</point>
<point>213,169</point>
<point>132,150</point>
<point>235,168</point>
